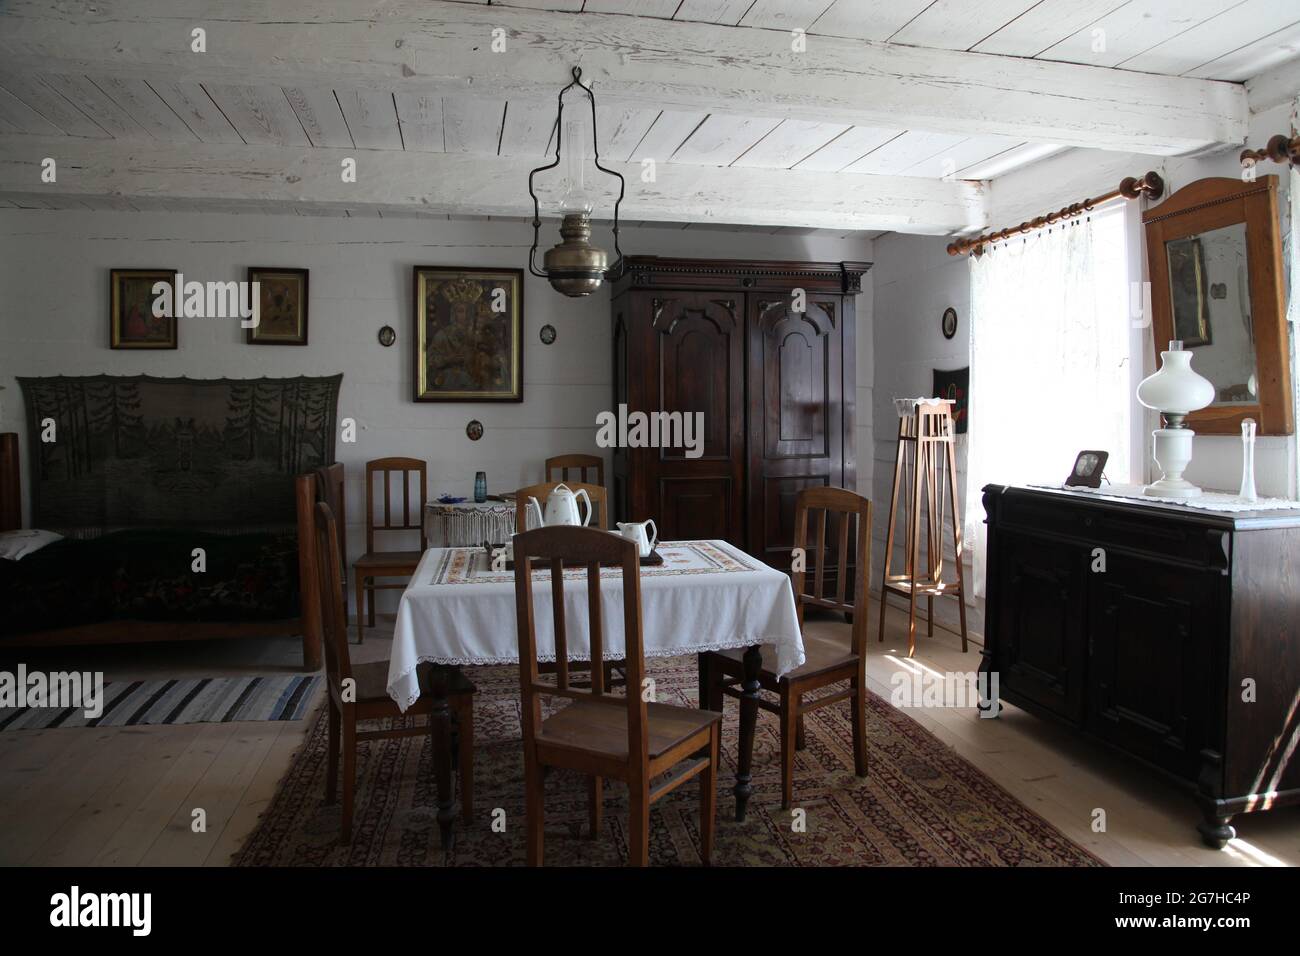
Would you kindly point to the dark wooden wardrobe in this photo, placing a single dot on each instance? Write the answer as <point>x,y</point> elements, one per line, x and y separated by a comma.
<point>776,385</point>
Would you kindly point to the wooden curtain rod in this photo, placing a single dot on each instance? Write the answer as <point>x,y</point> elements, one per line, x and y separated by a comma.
<point>1130,188</point>
<point>1280,149</point>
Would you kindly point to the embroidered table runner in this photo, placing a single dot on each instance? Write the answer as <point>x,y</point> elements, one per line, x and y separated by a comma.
<point>705,596</point>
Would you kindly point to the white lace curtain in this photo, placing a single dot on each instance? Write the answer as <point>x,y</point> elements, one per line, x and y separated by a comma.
<point>1049,372</point>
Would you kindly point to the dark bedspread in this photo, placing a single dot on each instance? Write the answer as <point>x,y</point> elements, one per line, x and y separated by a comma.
<point>145,574</point>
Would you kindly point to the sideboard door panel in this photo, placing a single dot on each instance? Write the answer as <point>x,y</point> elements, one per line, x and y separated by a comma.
<point>1040,654</point>
<point>796,414</point>
<point>1150,659</point>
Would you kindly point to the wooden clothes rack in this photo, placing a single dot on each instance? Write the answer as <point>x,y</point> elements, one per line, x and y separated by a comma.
<point>925,467</point>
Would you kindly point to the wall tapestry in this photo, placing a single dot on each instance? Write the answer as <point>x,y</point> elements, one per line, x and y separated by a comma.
<point>954,384</point>
<point>469,335</point>
<point>130,451</point>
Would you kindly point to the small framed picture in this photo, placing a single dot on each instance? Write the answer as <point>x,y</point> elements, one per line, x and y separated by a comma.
<point>282,306</point>
<point>1087,470</point>
<point>133,322</point>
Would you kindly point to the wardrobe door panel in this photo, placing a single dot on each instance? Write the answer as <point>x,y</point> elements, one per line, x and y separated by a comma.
<point>693,345</point>
<point>796,413</point>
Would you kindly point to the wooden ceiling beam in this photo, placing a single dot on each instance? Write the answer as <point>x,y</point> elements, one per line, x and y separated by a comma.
<point>431,47</point>
<point>466,184</point>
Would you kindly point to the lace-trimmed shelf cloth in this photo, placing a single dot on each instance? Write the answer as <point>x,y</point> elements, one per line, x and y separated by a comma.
<point>1206,501</point>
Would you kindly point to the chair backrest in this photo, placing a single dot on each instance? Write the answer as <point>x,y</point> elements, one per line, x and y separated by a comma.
<point>541,492</point>
<point>552,548</point>
<point>844,505</point>
<point>383,469</point>
<point>330,489</point>
<point>579,463</point>
<point>334,622</point>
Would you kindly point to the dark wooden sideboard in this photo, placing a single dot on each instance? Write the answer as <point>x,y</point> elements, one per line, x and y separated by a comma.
<point>766,351</point>
<point>1184,652</point>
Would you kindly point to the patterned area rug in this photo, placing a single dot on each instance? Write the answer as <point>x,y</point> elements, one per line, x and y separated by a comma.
<point>208,700</point>
<point>920,805</point>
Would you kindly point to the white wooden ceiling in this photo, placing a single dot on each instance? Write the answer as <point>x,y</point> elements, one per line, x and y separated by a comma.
<point>1228,40</point>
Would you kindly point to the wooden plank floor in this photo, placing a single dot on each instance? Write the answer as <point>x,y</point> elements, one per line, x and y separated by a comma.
<point>126,796</point>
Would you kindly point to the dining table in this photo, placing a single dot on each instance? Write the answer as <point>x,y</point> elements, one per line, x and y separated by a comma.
<point>458,611</point>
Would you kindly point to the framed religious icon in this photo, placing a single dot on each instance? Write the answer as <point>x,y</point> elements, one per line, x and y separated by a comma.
<point>133,322</point>
<point>469,327</point>
<point>282,306</point>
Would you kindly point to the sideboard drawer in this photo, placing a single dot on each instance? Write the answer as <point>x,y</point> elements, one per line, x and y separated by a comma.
<point>1104,524</point>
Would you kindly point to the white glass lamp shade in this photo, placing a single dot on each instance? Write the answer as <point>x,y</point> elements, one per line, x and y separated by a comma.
<point>1176,389</point>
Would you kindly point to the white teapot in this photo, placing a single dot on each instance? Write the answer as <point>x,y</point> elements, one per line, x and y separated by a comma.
<point>561,507</point>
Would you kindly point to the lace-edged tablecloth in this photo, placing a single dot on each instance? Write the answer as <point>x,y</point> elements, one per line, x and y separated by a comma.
<point>706,596</point>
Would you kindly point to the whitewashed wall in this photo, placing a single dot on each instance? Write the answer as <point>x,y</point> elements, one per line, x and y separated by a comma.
<point>54,320</point>
<point>915,280</point>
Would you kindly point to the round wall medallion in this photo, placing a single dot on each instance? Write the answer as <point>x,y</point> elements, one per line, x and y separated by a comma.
<point>387,336</point>
<point>474,430</point>
<point>949,323</point>
<point>547,334</point>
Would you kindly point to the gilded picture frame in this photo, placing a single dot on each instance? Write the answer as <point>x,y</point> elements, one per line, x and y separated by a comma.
<point>468,334</point>
<point>131,320</point>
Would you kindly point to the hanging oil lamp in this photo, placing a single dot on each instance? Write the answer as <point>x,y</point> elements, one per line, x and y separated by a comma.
<point>575,267</point>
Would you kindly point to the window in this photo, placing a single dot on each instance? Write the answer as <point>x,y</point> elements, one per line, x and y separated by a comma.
<point>1050,360</point>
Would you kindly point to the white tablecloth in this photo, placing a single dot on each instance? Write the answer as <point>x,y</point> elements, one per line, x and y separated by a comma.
<point>706,596</point>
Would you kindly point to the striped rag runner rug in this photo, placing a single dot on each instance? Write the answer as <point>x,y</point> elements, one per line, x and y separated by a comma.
<point>198,700</point>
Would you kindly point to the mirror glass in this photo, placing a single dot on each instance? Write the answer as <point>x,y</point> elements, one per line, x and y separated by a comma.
<point>1209,291</point>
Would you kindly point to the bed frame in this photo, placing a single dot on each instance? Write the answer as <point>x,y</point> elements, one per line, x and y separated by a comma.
<point>130,632</point>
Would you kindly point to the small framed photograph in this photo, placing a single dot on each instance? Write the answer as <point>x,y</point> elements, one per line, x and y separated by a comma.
<point>132,319</point>
<point>1087,470</point>
<point>282,306</point>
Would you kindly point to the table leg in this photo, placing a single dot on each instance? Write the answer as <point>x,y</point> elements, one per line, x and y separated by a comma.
<point>440,734</point>
<point>752,662</point>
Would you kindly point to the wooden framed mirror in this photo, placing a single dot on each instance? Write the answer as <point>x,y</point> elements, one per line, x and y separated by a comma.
<point>1215,259</point>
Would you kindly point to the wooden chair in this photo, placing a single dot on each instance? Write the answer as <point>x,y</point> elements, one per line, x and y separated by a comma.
<point>616,737</point>
<point>613,668</point>
<point>580,463</point>
<point>388,564</point>
<point>827,660</point>
<point>599,501</point>
<point>366,696</point>
<point>330,489</point>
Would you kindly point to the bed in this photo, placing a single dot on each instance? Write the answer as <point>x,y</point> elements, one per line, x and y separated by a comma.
<point>185,505</point>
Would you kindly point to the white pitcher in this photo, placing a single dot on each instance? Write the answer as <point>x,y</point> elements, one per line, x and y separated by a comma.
<point>561,507</point>
<point>644,533</point>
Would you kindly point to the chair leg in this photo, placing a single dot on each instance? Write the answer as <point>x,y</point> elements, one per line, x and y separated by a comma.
<point>349,775</point>
<point>370,610</point>
<point>638,824</point>
<point>595,804</point>
<point>709,795</point>
<point>332,760</point>
<point>361,606</point>
<point>858,701</point>
<point>789,737</point>
<point>535,804</point>
<point>800,741</point>
<point>466,750</point>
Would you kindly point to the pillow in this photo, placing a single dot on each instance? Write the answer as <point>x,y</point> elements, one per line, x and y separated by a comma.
<point>18,544</point>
